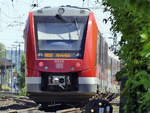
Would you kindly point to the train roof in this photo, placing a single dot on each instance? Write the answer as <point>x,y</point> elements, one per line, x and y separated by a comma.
<point>62,10</point>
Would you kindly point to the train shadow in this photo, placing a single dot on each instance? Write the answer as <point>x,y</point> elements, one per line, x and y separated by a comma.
<point>56,107</point>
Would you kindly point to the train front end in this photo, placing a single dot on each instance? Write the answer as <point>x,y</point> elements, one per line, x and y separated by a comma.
<point>60,54</point>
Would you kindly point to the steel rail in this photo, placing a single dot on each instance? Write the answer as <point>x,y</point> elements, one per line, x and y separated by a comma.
<point>70,110</point>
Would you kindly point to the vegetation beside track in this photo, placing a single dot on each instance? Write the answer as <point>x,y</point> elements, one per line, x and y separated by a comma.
<point>21,78</point>
<point>131,18</point>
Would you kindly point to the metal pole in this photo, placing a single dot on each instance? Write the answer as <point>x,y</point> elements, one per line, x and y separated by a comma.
<point>5,66</point>
<point>1,76</point>
<point>16,59</point>
<point>19,61</point>
<point>16,70</point>
<point>11,71</point>
<point>19,56</point>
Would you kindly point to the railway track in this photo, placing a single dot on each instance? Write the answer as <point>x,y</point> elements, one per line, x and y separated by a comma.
<point>33,109</point>
<point>12,104</point>
<point>36,110</point>
<point>6,94</point>
<point>70,110</point>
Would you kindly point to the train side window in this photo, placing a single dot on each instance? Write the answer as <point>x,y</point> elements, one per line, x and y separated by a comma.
<point>97,50</point>
<point>99,46</point>
<point>106,46</point>
<point>100,38</point>
<point>101,54</point>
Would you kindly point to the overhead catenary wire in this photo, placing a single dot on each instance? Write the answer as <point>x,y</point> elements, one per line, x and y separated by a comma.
<point>11,21</point>
<point>4,4</point>
<point>17,19</point>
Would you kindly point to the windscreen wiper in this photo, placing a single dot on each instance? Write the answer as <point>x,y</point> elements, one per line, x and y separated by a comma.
<point>77,27</point>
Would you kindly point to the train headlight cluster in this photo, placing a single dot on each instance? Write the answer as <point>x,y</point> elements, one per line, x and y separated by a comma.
<point>41,64</point>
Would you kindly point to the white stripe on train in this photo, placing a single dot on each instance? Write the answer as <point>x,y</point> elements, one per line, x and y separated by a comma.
<point>82,80</point>
<point>33,80</point>
<point>88,80</point>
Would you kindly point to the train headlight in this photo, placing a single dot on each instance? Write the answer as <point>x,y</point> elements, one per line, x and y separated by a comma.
<point>41,64</point>
<point>61,11</point>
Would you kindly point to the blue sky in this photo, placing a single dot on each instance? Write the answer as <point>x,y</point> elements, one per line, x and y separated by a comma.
<point>13,17</point>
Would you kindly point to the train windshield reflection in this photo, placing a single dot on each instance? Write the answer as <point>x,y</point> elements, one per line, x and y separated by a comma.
<point>60,36</point>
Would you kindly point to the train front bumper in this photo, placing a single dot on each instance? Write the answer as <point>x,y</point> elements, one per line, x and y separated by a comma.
<point>60,97</point>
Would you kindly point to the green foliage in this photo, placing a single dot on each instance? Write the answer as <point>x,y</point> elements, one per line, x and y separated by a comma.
<point>2,50</point>
<point>23,65</point>
<point>131,18</point>
<point>21,81</point>
<point>140,5</point>
<point>23,92</point>
<point>21,78</point>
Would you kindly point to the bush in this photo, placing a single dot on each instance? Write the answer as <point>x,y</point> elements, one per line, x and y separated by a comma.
<point>23,92</point>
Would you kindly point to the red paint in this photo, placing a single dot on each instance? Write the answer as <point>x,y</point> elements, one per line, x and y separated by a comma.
<point>85,64</point>
<point>31,49</point>
<point>89,60</point>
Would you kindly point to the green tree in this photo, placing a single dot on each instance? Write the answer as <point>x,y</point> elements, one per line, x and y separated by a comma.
<point>140,5</point>
<point>21,78</point>
<point>2,50</point>
<point>131,18</point>
<point>23,65</point>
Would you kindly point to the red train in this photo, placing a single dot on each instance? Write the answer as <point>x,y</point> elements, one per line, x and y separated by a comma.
<point>67,59</point>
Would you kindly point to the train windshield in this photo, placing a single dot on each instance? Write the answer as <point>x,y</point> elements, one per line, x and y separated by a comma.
<point>60,36</point>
